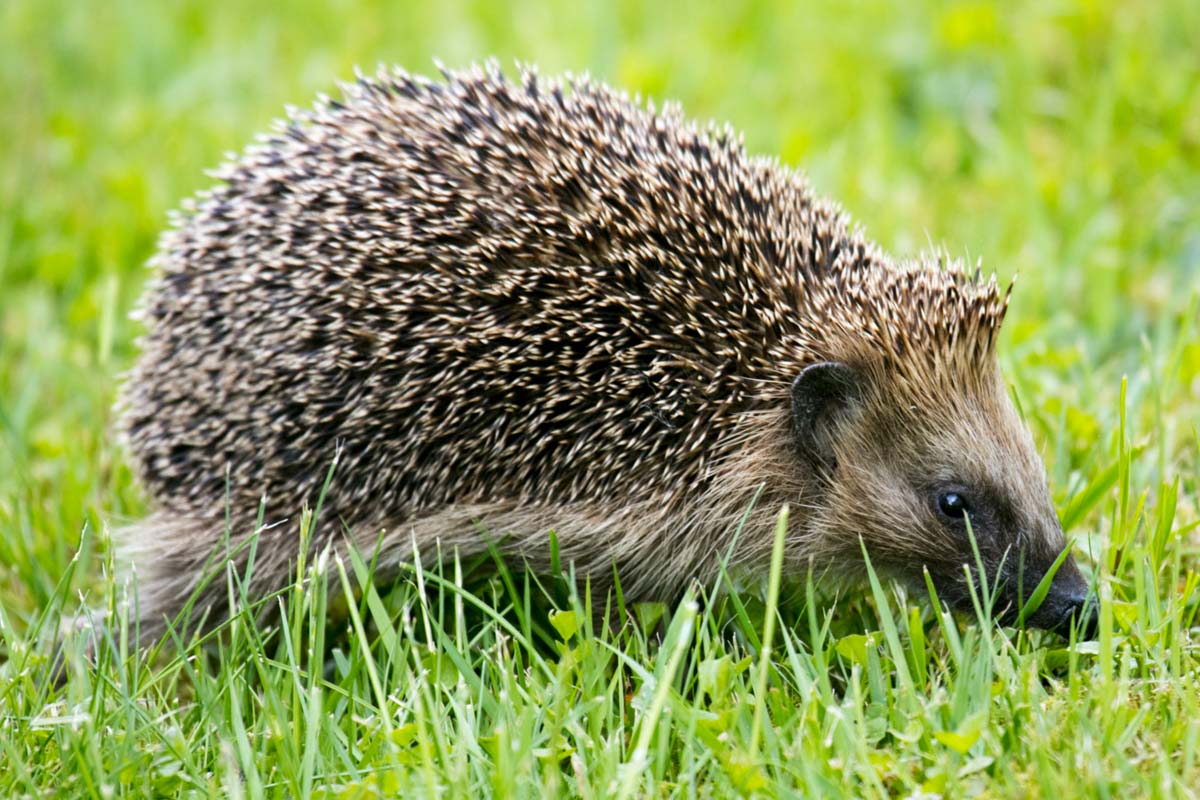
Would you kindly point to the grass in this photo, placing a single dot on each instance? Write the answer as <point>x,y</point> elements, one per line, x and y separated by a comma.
<point>1058,140</point>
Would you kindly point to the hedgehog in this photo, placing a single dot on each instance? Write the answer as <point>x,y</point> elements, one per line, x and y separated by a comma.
<point>517,309</point>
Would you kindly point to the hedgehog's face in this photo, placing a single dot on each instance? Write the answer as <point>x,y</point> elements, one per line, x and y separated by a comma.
<point>917,479</point>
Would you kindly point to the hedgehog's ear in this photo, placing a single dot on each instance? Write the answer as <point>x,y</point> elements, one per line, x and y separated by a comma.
<point>820,393</point>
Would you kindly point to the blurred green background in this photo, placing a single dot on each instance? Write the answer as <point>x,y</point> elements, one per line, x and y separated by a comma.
<point>1058,140</point>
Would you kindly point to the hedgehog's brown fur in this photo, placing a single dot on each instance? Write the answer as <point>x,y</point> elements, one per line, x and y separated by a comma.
<point>539,306</point>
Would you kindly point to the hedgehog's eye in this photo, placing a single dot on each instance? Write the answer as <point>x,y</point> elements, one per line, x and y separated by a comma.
<point>953,505</point>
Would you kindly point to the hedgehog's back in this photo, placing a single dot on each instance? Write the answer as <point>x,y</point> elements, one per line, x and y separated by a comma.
<point>476,291</point>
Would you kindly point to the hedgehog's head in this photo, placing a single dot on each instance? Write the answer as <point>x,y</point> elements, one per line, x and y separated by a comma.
<point>918,448</point>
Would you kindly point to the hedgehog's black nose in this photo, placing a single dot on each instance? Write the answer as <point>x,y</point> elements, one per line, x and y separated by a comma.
<point>1080,610</point>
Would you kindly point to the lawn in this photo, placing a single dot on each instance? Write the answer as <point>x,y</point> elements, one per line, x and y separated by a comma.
<point>1055,140</point>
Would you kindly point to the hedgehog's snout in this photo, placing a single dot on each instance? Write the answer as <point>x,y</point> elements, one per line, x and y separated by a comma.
<point>1073,606</point>
<point>1081,611</point>
<point>1070,604</point>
